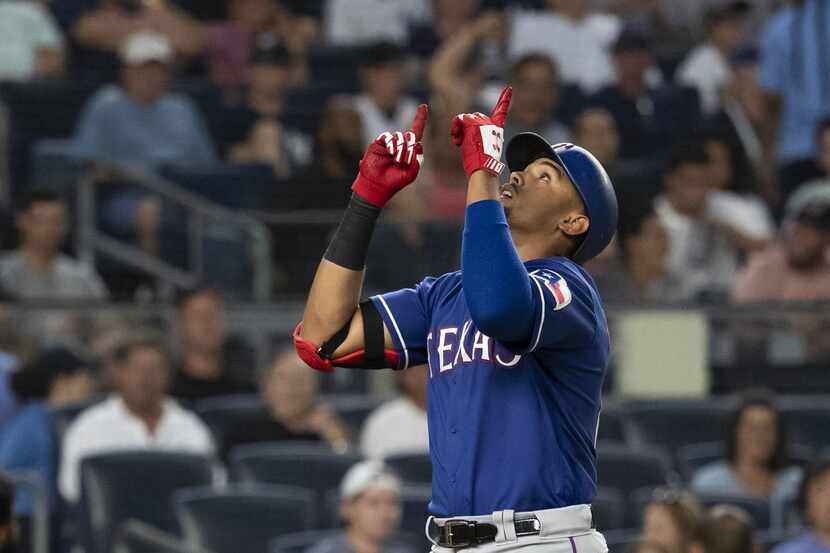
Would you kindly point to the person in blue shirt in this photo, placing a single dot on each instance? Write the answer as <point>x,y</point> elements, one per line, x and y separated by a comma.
<point>814,501</point>
<point>516,343</point>
<point>58,377</point>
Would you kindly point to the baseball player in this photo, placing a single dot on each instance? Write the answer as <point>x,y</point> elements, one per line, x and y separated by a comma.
<point>516,342</point>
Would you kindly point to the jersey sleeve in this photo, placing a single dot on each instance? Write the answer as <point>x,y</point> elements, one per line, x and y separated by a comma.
<point>406,314</point>
<point>564,310</point>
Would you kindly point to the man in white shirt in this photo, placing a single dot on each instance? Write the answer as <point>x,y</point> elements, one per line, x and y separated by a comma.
<point>578,40</point>
<point>707,229</point>
<point>399,425</point>
<point>355,22</point>
<point>382,105</point>
<point>32,45</point>
<point>707,65</point>
<point>139,416</point>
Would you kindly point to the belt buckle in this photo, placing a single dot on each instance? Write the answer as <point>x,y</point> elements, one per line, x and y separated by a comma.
<point>450,530</point>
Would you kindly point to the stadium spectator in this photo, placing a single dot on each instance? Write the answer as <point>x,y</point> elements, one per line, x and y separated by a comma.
<point>37,269</point>
<point>640,272</point>
<point>456,75</point>
<point>535,82</point>
<point>32,43</point>
<point>138,416</point>
<point>583,41</point>
<point>743,115</point>
<point>727,529</point>
<point>796,267</point>
<point>140,121</point>
<point>230,44</point>
<point>290,392</point>
<point>731,174</point>
<point>706,67</point>
<point>399,425</point>
<point>382,104</point>
<point>756,463</point>
<point>648,114</point>
<point>794,76</point>
<point>672,520</point>
<point>814,503</point>
<point>370,505</point>
<point>58,377</point>
<point>706,229</point>
<point>359,22</point>
<point>210,362</point>
<point>8,532</point>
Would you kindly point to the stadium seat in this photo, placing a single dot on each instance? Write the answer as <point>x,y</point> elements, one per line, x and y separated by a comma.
<point>612,425</point>
<point>224,414</point>
<point>692,457</point>
<point>415,503</point>
<point>137,537</point>
<point>414,468</point>
<point>242,519</point>
<point>138,485</point>
<point>627,471</point>
<point>621,541</point>
<point>807,420</point>
<point>353,409</point>
<point>232,186</point>
<point>299,542</point>
<point>671,424</point>
<point>310,466</point>
<point>759,510</point>
<point>608,510</point>
<point>336,67</point>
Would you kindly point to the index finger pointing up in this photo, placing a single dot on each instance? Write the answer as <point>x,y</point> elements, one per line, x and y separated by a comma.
<point>420,121</point>
<point>500,111</point>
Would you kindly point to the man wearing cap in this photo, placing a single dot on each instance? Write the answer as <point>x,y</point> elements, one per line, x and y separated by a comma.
<point>370,505</point>
<point>797,267</point>
<point>516,343</point>
<point>140,121</point>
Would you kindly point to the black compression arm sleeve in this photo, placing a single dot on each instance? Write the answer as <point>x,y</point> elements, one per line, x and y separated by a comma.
<point>350,244</point>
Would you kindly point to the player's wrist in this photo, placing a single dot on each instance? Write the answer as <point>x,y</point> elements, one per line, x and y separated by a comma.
<point>350,244</point>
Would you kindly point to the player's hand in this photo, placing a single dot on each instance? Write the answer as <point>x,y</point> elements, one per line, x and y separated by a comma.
<point>481,137</point>
<point>391,162</point>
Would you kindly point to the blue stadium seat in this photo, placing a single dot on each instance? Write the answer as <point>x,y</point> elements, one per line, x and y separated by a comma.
<point>608,509</point>
<point>621,541</point>
<point>414,468</point>
<point>242,519</point>
<point>312,467</point>
<point>353,409</point>
<point>336,67</point>
<point>116,487</point>
<point>629,472</point>
<point>807,419</point>
<point>299,542</point>
<point>612,425</point>
<point>759,510</point>
<point>224,414</point>
<point>415,502</point>
<point>232,186</point>
<point>692,457</point>
<point>137,537</point>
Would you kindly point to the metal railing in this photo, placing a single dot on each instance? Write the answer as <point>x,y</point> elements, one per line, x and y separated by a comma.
<point>92,241</point>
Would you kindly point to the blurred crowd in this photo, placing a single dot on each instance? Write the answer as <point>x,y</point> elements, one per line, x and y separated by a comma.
<point>709,116</point>
<point>712,118</point>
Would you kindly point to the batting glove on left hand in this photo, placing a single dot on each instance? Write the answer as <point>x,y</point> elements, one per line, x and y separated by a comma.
<point>481,137</point>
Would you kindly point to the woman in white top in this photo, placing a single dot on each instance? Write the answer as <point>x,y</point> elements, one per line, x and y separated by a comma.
<point>756,464</point>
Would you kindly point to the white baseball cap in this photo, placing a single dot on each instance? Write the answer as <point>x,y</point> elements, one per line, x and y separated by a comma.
<point>365,475</point>
<point>146,46</point>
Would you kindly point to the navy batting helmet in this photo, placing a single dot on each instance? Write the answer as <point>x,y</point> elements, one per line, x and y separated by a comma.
<point>589,178</point>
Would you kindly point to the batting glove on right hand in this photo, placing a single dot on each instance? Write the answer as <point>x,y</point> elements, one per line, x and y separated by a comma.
<point>481,137</point>
<point>391,162</point>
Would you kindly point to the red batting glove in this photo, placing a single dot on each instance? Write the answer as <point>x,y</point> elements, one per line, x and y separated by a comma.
<point>482,138</point>
<point>391,162</point>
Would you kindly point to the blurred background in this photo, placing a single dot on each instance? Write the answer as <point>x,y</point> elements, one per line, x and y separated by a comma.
<point>171,170</point>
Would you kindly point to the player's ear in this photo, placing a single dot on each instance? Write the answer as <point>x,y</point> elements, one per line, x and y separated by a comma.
<point>574,224</point>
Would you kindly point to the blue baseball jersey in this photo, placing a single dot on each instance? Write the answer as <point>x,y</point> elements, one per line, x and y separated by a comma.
<point>511,426</point>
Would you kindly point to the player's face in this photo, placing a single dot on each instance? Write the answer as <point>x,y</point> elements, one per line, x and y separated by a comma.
<point>539,197</point>
<point>818,502</point>
<point>375,514</point>
<point>757,434</point>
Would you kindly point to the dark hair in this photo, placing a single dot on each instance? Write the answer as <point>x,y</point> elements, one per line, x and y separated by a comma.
<point>34,381</point>
<point>817,469</point>
<point>632,224</point>
<point>764,399</point>
<point>39,195</point>
<point>184,297</point>
<point>529,59</point>
<point>382,53</point>
<point>822,127</point>
<point>727,529</point>
<point>691,152</point>
<point>143,339</point>
<point>742,175</point>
